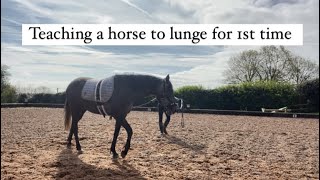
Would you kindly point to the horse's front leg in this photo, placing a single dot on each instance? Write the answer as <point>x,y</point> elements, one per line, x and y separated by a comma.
<point>160,119</point>
<point>166,124</point>
<point>129,132</point>
<point>115,137</point>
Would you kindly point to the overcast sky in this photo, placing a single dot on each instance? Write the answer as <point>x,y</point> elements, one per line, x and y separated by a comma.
<point>56,66</point>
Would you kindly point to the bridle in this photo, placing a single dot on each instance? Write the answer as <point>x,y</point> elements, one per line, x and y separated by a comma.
<point>164,97</point>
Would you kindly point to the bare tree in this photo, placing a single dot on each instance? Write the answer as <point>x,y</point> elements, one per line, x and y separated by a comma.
<point>8,92</point>
<point>270,63</point>
<point>43,89</point>
<point>30,90</point>
<point>4,76</point>
<point>243,67</point>
<point>300,70</point>
<point>273,62</point>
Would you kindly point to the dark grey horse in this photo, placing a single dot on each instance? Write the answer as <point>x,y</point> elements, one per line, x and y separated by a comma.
<point>127,89</point>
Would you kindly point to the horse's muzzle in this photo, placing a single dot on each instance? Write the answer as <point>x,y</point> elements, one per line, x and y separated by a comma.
<point>171,109</point>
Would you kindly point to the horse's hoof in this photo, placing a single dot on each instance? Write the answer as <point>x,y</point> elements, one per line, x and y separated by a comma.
<point>69,146</point>
<point>165,132</point>
<point>115,156</point>
<point>80,152</point>
<point>123,154</point>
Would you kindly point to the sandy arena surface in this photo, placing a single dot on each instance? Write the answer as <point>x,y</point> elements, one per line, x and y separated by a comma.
<point>33,146</point>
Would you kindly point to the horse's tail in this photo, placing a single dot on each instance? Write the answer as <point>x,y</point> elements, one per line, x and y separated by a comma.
<point>67,115</point>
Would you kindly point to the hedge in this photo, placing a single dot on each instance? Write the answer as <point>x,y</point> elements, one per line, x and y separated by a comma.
<point>309,93</point>
<point>245,96</point>
<point>58,98</point>
<point>251,96</point>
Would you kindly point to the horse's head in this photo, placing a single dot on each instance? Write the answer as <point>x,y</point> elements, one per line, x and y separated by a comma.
<point>171,109</point>
<point>166,97</point>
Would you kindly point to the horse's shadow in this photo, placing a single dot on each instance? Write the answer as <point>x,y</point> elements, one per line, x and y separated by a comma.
<point>71,167</point>
<point>194,147</point>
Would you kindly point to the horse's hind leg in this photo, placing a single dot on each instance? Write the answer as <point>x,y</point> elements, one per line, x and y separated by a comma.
<point>70,137</point>
<point>76,116</point>
<point>115,137</point>
<point>129,132</point>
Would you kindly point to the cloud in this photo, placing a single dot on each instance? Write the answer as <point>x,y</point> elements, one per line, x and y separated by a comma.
<point>66,63</point>
<point>56,66</point>
<point>259,12</point>
<point>137,8</point>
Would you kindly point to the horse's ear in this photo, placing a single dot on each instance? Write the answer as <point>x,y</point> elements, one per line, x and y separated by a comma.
<point>167,78</point>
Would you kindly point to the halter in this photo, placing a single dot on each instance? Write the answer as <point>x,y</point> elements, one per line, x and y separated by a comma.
<point>181,108</point>
<point>164,95</point>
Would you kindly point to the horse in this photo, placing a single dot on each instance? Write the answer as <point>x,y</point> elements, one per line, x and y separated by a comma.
<point>127,88</point>
<point>171,109</point>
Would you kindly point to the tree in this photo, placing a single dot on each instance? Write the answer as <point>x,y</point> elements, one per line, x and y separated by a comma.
<point>43,90</point>
<point>4,76</point>
<point>8,92</point>
<point>243,67</point>
<point>301,70</point>
<point>30,90</point>
<point>270,63</point>
<point>9,95</point>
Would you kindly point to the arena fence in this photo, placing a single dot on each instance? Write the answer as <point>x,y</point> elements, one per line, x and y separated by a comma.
<point>194,111</point>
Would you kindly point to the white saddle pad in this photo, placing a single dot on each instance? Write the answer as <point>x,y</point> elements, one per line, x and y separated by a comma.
<point>98,90</point>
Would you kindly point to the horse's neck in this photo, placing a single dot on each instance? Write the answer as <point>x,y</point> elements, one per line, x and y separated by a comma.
<point>150,86</point>
<point>145,85</point>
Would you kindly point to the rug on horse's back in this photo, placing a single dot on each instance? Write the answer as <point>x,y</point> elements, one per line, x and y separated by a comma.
<point>98,90</point>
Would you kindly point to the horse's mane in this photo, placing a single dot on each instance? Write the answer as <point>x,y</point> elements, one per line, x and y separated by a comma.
<point>133,75</point>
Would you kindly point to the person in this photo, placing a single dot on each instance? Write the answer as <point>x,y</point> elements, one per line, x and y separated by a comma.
<point>168,112</point>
